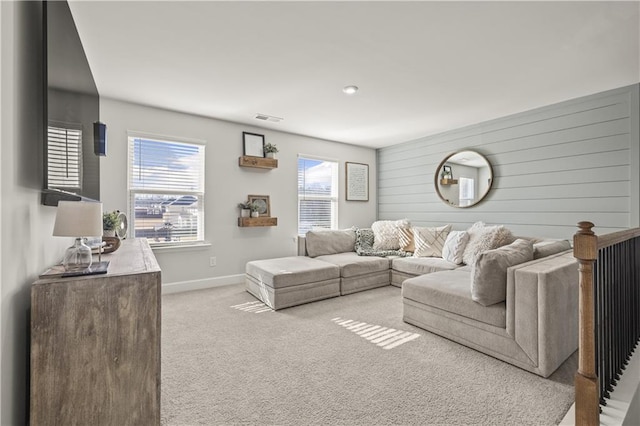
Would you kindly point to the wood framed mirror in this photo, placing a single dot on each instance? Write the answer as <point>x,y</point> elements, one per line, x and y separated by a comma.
<point>463,179</point>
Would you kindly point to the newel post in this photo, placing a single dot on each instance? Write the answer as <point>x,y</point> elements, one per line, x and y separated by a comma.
<point>585,250</point>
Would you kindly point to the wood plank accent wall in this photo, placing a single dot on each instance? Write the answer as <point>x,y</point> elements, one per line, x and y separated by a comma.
<point>553,167</point>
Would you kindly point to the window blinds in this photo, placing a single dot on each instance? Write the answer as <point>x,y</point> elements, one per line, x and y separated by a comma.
<point>166,187</point>
<point>317,194</point>
<point>64,157</point>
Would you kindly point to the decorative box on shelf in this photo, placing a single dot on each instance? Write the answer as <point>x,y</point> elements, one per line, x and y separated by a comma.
<point>257,221</point>
<point>448,181</point>
<point>258,162</point>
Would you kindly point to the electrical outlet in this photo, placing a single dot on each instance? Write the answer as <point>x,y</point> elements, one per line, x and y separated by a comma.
<point>212,261</point>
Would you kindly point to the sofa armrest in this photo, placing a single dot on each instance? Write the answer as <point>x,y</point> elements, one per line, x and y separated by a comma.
<point>542,308</point>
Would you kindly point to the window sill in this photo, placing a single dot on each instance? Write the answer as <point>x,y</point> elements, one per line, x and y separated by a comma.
<point>181,247</point>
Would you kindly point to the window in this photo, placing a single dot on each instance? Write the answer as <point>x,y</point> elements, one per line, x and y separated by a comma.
<point>467,193</point>
<point>64,157</point>
<point>166,191</point>
<point>317,194</point>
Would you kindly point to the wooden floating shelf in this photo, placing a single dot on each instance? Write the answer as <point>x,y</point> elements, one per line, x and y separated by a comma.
<point>258,162</point>
<point>247,222</point>
<point>448,181</point>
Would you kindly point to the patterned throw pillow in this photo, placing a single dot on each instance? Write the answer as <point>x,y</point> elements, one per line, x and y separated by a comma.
<point>429,241</point>
<point>483,238</point>
<point>405,235</point>
<point>387,233</point>
<point>454,246</point>
<point>364,245</point>
<point>364,239</point>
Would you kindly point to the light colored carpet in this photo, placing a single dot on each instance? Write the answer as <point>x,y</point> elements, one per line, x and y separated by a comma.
<point>226,360</point>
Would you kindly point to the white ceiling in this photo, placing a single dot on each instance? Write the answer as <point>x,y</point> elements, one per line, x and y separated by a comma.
<point>422,67</point>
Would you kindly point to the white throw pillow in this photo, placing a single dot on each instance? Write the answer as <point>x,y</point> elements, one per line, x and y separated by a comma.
<point>483,238</point>
<point>429,241</point>
<point>454,246</point>
<point>386,233</point>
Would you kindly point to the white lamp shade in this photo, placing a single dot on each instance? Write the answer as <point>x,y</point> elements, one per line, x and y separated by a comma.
<point>78,219</point>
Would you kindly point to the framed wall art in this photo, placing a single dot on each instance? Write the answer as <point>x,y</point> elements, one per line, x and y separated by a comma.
<point>264,206</point>
<point>253,144</point>
<point>357,184</point>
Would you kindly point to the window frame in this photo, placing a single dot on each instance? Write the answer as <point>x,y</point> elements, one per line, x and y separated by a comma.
<point>200,194</point>
<point>335,189</point>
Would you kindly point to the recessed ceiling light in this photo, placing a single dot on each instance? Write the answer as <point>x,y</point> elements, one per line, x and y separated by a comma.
<point>350,90</point>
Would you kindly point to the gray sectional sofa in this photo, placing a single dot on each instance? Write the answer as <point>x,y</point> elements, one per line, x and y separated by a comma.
<point>534,326</point>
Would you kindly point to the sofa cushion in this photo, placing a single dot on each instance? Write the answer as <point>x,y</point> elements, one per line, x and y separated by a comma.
<point>449,291</point>
<point>454,246</point>
<point>387,235</point>
<point>483,237</point>
<point>291,271</point>
<point>352,265</point>
<point>429,241</point>
<point>421,265</point>
<point>489,271</point>
<point>330,241</point>
<point>549,247</point>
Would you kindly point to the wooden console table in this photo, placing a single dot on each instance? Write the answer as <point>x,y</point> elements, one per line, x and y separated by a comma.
<point>95,343</point>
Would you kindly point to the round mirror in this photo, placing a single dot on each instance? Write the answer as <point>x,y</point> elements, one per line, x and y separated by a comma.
<point>463,179</point>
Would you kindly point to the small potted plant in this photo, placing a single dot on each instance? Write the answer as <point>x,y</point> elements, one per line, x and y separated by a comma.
<point>254,210</point>
<point>270,150</point>
<point>245,209</point>
<point>110,222</point>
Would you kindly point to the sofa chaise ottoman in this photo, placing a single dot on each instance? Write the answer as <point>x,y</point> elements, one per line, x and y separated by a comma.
<point>290,281</point>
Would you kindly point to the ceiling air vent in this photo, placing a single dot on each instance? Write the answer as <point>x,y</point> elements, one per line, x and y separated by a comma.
<point>265,117</point>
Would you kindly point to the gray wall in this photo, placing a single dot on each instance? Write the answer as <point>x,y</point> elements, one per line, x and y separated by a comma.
<point>553,167</point>
<point>26,247</point>
<point>227,184</point>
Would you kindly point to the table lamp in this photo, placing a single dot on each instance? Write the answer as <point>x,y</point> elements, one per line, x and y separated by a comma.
<point>78,219</point>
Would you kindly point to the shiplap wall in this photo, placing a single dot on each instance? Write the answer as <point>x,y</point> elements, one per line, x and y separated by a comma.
<point>553,167</point>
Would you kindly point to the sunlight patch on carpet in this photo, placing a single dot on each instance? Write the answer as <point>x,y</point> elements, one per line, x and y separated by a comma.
<point>254,307</point>
<point>386,338</point>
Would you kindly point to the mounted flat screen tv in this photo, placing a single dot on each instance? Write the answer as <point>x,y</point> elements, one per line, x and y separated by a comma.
<point>72,106</point>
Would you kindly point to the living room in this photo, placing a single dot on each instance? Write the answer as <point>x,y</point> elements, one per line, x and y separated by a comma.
<point>400,171</point>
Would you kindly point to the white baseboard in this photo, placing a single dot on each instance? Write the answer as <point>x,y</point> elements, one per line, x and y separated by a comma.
<point>182,286</point>
<point>623,407</point>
